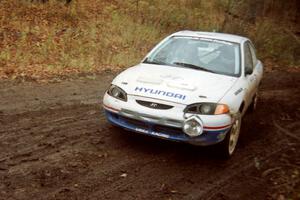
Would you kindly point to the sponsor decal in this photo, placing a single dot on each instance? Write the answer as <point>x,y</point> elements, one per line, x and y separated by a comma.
<point>221,136</point>
<point>141,130</point>
<point>152,133</point>
<point>161,93</point>
<point>238,91</point>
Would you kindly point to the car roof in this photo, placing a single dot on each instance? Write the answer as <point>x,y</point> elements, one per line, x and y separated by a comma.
<point>212,35</point>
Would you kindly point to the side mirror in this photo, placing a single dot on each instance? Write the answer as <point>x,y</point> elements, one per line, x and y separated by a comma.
<point>248,71</point>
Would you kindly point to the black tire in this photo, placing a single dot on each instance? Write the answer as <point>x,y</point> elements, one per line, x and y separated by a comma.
<point>227,147</point>
<point>253,104</point>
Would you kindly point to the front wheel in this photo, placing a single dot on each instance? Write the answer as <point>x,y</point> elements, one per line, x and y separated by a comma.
<point>228,145</point>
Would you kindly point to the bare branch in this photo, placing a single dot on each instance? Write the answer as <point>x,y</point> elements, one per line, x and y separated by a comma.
<point>287,132</point>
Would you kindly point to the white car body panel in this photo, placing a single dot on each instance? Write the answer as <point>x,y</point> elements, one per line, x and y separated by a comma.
<point>184,81</point>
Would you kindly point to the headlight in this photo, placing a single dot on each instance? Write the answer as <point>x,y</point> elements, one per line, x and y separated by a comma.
<point>193,126</point>
<point>117,92</point>
<point>207,109</point>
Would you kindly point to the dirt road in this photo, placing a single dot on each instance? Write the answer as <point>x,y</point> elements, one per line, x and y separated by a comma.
<point>56,144</point>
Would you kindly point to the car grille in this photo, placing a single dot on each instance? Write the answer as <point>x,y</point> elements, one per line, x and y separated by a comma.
<point>154,105</point>
<point>168,130</point>
<point>137,123</point>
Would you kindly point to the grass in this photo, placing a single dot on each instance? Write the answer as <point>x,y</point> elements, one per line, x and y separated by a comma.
<point>44,40</point>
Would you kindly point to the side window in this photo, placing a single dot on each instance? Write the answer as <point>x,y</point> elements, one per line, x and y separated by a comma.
<point>248,59</point>
<point>254,58</point>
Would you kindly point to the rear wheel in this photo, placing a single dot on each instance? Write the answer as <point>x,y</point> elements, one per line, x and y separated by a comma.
<point>228,145</point>
<point>252,106</point>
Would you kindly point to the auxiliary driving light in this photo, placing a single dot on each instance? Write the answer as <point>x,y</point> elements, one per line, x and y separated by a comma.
<point>193,126</point>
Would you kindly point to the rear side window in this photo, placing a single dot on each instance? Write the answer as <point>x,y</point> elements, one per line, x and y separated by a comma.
<point>254,58</point>
<point>248,57</point>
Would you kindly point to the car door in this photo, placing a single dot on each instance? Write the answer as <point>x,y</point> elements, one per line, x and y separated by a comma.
<point>250,74</point>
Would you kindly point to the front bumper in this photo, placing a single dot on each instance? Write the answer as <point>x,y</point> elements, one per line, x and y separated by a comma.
<point>164,124</point>
<point>166,132</point>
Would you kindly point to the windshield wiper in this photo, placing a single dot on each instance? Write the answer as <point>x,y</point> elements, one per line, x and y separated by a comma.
<point>193,66</point>
<point>155,62</point>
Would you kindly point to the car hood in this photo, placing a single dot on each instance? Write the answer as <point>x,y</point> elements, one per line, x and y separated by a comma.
<point>176,84</point>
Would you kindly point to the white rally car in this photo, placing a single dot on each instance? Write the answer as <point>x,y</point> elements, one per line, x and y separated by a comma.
<point>192,87</point>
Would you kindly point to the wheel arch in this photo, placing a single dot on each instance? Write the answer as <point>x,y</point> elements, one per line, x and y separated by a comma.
<point>242,107</point>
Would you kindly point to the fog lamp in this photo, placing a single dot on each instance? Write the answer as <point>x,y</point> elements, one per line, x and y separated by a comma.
<point>193,126</point>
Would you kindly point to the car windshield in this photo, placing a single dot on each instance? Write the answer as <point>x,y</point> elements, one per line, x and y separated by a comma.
<point>210,55</point>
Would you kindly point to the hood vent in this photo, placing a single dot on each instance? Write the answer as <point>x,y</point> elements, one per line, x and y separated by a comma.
<point>154,105</point>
